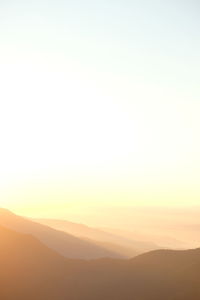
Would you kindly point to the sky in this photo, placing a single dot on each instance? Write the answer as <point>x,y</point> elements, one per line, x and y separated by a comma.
<point>99,105</point>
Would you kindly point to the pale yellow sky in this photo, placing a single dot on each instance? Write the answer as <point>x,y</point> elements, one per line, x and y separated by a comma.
<point>96,115</point>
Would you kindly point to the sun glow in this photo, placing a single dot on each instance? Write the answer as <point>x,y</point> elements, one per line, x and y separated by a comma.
<point>79,129</point>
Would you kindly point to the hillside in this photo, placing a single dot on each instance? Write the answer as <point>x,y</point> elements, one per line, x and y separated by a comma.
<point>65,244</point>
<point>30,270</point>
<point>128,247</point>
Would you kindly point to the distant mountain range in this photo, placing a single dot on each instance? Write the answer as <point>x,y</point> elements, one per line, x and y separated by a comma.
<point>127,247</point>
<point>31,270</point>
<point>65,244</point>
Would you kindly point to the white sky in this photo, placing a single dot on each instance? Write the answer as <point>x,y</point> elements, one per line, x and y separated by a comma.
<point>100,103</point>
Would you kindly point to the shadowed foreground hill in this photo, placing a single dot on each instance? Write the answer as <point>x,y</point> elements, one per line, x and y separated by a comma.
<point>161,274</point>
<point>65,244</point>
<point>29,270</point>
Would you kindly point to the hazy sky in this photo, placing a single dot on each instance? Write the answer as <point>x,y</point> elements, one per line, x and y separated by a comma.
<point>100,104</point>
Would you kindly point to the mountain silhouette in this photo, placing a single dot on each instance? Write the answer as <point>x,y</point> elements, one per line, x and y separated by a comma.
<point>31,270</point>
<point>65,244</point>
<point>126,246</point>
<point>28,269</point>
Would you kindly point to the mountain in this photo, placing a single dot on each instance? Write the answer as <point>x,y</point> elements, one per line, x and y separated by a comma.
<point>162,274</point>
<point>128,247</point>
<point>65,244</point>
<point>149,240</point>
<point>30,270</point>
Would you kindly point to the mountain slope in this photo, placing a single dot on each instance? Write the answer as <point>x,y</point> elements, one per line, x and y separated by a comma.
<point>29,270</point>
<point>65,244</point>
<point>163,274</point>
<point>126,246</point>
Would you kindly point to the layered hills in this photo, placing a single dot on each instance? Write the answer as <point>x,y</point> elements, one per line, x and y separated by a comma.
<point>31,270</point>
<point>65,244</point>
